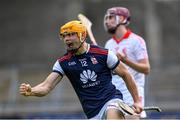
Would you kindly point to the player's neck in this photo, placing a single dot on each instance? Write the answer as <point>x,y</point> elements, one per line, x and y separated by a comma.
<point>82,49</point>
<point>121,30</point>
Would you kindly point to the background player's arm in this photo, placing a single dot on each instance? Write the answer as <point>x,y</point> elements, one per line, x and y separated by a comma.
<point>41,89</point>
<point>131,85</point>
<point>142,65</point>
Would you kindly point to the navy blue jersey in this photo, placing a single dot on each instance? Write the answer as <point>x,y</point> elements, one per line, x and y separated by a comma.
<point>90,76</point>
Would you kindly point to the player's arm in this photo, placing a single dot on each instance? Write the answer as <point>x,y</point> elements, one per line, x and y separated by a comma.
<point>41,89</point>
<point>142,65</point>
<point>122,71</point>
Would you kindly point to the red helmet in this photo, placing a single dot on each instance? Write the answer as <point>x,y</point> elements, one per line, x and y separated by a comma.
<point>120,11</point>
<point>117,11</point>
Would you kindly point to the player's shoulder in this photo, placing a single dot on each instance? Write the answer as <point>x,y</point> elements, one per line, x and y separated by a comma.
<point>98,50</point>
<point>109,41</point>
<point>65,57</point>
<point>137,38</point>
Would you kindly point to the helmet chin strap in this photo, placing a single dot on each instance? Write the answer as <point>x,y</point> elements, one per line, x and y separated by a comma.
<point>113,30</point>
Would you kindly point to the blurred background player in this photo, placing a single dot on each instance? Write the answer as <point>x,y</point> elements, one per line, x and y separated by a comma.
<point>88,68</point>
<point>130,49</point>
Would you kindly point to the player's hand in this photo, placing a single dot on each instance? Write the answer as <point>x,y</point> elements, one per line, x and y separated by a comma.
<point>121,56</point>
<point>137,107</point>
<point>25,89</point>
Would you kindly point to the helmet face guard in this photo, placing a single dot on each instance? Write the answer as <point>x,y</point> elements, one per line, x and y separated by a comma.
<point>113,29</point>
<point>116,12</point>
<point>71,28</point>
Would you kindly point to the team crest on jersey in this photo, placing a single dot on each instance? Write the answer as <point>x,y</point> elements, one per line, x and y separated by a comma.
<point>88,75</point>
<point>94,60</point>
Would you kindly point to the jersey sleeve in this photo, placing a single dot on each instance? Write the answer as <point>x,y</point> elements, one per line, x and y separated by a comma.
<point>141,50</point>
<point>112,60</point>
<point>57,68</point>
<point>107,45</point>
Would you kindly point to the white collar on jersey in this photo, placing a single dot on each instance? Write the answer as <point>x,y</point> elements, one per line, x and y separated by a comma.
<point>88,47</point>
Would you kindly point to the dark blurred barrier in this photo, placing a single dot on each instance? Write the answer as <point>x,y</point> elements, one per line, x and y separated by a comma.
<point>80,115</point>
<point>14,116</point>
<point>75,115</point>
<point>164,115</point>
<point>175,115</point>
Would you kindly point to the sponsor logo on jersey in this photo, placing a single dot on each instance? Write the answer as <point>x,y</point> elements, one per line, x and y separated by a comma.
<point>91,84</point>
<point>88,75</point>
<point>71,63</point>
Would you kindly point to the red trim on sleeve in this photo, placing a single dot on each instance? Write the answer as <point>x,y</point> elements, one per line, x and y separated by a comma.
<point>98,51</point>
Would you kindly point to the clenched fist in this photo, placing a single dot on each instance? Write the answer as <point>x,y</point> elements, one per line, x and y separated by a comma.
<point>25,89</point>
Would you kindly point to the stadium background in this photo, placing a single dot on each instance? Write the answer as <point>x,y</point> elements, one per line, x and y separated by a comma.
<point>29,46</point>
